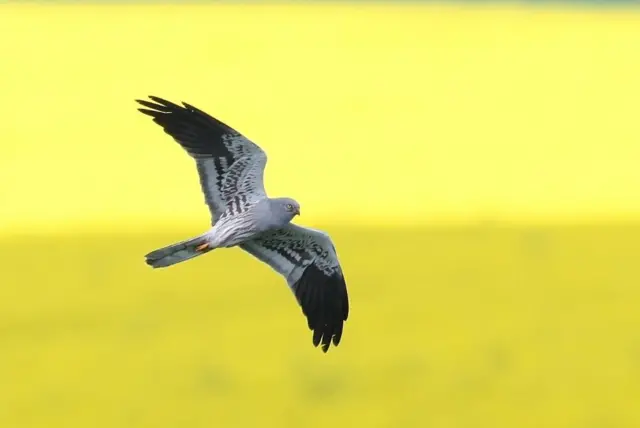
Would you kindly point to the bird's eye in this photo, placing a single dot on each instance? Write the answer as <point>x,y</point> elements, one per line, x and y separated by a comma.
<point>289,207</point>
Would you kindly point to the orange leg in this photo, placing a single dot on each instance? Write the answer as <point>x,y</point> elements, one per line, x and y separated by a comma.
<point>202,247</point>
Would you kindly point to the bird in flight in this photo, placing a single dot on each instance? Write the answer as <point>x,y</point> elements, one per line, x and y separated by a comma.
<point>231,169</point>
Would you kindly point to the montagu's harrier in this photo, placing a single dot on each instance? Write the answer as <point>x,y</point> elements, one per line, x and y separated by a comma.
<point>231,170</point>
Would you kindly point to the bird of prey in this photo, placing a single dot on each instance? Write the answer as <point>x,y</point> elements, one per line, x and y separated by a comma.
<point>231,168</point>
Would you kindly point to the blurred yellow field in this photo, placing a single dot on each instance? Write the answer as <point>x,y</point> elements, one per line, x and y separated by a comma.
<point>462,327</point>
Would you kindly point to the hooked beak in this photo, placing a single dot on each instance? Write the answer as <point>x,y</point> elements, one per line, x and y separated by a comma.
<point>297,211</point>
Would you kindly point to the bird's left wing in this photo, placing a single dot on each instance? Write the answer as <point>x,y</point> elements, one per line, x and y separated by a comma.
<point>227,161</point>
<point>308,260</point>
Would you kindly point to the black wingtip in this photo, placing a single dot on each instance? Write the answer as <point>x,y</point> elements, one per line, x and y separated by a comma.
<point>193,108</point>
<point>317,337</point>
<point>325,303</point>
<point>148,112</point>
<point>146,102</point>
<point>159,100</point>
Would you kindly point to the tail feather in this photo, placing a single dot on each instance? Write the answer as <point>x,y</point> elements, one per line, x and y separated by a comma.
<point>176,253</point>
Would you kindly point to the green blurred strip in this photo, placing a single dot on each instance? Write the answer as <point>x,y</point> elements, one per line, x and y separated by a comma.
<point>599,3</point>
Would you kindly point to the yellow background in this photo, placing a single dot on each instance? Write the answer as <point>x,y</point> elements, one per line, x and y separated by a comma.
<point>367,113</point>
<point>384,122</point>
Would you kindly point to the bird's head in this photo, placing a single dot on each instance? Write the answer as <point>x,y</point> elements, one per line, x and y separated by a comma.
<point>285,208</point>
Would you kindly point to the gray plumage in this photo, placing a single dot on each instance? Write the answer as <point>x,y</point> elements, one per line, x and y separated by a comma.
<point>231,170</point>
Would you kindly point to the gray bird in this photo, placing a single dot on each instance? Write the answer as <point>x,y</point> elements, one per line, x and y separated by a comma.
<point>231,169</point>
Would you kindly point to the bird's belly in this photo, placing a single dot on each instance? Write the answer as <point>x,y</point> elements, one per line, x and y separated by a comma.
<point>231,233</point>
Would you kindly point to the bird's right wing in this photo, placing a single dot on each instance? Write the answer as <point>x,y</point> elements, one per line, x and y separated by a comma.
<point>217,149</point>
<point>308,260</point>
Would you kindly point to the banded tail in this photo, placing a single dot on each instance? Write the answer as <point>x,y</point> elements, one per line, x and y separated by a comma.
<point>178,252</point>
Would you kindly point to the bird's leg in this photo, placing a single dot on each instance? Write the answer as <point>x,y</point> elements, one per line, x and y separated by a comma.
<point>202,247</point>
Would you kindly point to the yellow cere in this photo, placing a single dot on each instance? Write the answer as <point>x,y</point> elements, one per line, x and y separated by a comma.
<point>477,168</point>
